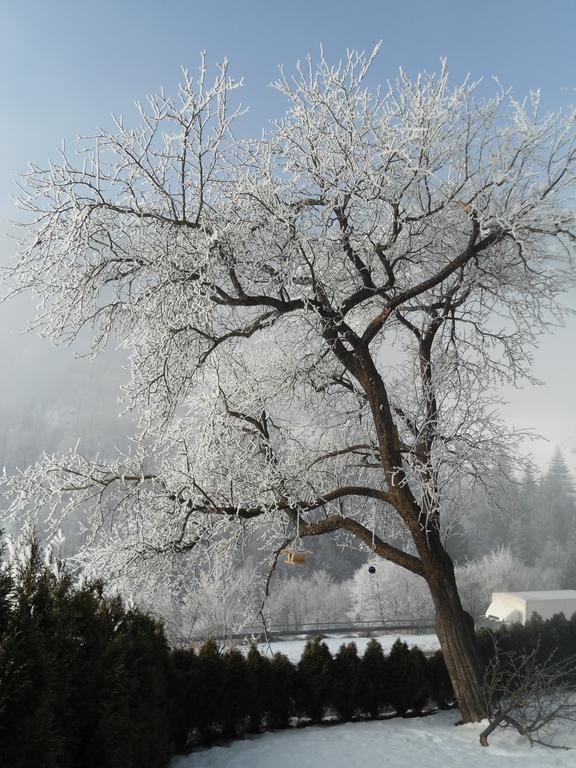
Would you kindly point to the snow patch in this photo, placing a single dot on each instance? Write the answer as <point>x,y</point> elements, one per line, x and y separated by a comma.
<point>430,742</point>
<point>293,648</point>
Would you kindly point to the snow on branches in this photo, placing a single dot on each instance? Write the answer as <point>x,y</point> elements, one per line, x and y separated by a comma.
<point>316,319</point>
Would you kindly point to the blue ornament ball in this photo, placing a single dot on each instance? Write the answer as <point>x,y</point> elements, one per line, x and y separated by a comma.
<point>371,569</point>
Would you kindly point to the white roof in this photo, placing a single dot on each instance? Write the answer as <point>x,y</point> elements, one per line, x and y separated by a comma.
<point>548,594</point>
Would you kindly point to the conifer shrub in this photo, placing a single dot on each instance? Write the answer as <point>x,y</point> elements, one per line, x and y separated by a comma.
<point>408,684</point>
<point>145,664</point>
<point>281,699</point>
<point>373,684</point>
<point>553,639</point>
<point>82,679</point>
<point>572,647</point>
<point>210,693</point>
<point>485,644</point>
<point>234,703</point>
<point>345,682</point>
<point>6,590</point>
<point>30,734</point>
<point>534,634</point>
<point>420,687</point>
<point>314,680</point>
<point>557,638</point>
<point>441,690</point>
<point>183,695</point>
<point>258,693</point>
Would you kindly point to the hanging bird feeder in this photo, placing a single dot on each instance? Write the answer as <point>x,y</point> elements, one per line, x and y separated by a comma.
<point>371,569</point>
<point>296,554</point>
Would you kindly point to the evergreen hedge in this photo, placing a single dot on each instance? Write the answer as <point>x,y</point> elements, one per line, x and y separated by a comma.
<point>374,680</point>
<point>315,673</point>
<point>345,683</point>
<point>83,680</point>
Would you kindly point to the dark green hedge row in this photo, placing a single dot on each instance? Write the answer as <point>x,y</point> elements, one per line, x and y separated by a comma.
<point>555,637</point>
<point>225,695</point>
<point>83,680</point>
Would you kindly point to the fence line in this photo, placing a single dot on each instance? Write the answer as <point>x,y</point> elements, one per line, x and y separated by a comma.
<point>310,629</point>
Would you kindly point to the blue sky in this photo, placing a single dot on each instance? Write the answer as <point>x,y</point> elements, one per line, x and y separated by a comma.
<point>66,65</point>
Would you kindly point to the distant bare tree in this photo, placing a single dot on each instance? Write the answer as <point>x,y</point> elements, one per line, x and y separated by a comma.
<point>529,695</point>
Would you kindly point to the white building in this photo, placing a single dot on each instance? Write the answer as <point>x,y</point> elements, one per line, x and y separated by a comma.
<point>519,606</point>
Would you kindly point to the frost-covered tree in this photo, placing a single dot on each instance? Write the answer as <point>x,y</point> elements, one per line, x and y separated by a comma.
<point>526,535</point>
<point>317,319</point>
<point>496,510</point>
<point>498,571</point>
<point>218,601</point>
<point>314,599</point>
<point>388,593</point>
<point>557,500</point>
<point>394,593</point>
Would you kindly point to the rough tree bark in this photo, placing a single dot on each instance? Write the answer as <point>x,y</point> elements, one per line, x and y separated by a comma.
<point>454,626</point>
<point>455,629</point>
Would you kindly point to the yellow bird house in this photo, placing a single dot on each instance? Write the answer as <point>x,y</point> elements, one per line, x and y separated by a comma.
<point>295,556</point>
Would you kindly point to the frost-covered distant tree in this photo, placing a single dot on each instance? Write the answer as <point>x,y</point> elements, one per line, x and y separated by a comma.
<point>217,601</point>
<point>220,603</point>
<point>568,575</point>
<point>392,592</point>
<point>551,506</point>
<point>498,571</point>
<point>316,598</point>
<point>496,509</point>
<point>389,593</point>
<point>316,318</point>
<point>557,499</point>
<point>526,535</point>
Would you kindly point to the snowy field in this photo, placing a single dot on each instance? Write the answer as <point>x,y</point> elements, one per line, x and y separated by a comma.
<point>430,742</point>
<point>293,648</point>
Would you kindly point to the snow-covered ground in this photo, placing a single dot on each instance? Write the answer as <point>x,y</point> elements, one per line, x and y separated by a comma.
<point>293,648</point>
<point>430,742</point>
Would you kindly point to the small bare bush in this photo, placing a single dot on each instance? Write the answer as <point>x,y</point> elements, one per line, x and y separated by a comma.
<point>529,695</point>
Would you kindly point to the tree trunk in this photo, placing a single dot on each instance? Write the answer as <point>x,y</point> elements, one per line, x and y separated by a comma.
<point>455,629</point>
<point>490,728</point>
<point>454,626</point>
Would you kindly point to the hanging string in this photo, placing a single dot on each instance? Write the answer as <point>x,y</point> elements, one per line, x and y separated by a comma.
<point>97,163</point>
<point>373,527</point>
